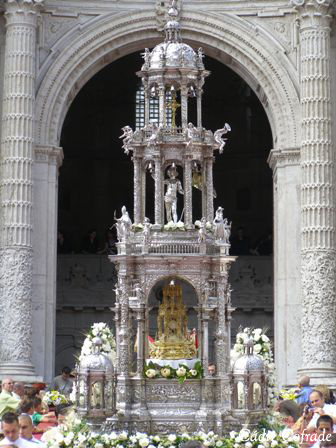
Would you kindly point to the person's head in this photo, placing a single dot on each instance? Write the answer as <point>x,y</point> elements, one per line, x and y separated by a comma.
<point>37,402</point>
<point>316,398</point>
<point>324,390</point>
<point>7,384</point>
<point>18,388</point>
<point>61,411</point>
<point>10,426</point>
<point>324,425</point>
<point>289,411</point>
<point>211,369</point>
<point>27,407</point>
<point>66,373</point>
<point>304,381</point>
<point>26,427</point>
<point>329,443</point>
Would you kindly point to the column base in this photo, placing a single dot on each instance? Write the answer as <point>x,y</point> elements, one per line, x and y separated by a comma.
<point>19,372</point>
<point>320,375</point>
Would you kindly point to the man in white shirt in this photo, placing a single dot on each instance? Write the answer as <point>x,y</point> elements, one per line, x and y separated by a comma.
<point>319,408</point>
<point>7,402</point>
<point>26,430</point>
<point>11,431</point>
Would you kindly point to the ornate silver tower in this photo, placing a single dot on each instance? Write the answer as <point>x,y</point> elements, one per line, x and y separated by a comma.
<point>176,155</point>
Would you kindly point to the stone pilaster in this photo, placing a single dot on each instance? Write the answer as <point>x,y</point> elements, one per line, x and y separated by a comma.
<point>16,266</point>
<point>285,164</point>
<point>137,189</point>
<point>317,194</point>
<point>47,161</point>
<point>187,194</point>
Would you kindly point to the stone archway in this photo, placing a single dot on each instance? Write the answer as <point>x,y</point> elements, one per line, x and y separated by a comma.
<point>250,52</point>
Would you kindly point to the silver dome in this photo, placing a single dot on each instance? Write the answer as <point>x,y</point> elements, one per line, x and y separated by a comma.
<point>248,364</point>
<point>96,361</point>
<point>173,54</point>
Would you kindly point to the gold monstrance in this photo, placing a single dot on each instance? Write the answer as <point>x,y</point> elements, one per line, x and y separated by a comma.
<point>172,340</point>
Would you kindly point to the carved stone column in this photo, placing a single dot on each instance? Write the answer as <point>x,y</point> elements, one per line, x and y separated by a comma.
<point>16,264</point>
<point>140,318</point>
<point>209,189</point>
<point>147,100</point>
<point>158,191</point>
<point>317,194</point>
<point>188,194</point>
<point>137,189</point>
<point>285,164</point>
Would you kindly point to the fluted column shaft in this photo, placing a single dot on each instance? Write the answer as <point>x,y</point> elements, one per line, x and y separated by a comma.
<point>137,189</point>
<point>188,193</point>
<point>16,265</point>
<point>317,193</point>
<point>184,106</point>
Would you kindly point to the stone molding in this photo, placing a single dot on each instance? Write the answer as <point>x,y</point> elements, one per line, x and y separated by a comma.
<point>18,11</point>
<point>250,54</point>
<point>49,154</point>
<point>314,13</point>
<point>279,158</point>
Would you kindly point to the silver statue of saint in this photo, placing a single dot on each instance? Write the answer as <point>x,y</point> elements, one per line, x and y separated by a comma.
<point>123,224</point>
<point>173,187</point>
<point>218,136</point>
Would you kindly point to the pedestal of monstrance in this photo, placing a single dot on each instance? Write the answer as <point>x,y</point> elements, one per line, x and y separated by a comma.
<point>172,292</point>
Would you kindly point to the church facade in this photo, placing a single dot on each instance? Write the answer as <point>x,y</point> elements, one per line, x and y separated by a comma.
<point>285,51</point>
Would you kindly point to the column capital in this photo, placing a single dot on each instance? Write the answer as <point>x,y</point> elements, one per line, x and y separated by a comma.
<point>52,155</point>
<point>314,13</point>
<point>279,158</point>
<point>18,11</point>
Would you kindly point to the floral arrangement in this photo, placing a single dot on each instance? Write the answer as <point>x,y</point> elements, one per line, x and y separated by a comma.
<point>74,433</point>
<point>182,373</point>
<point>174,226</point>
<point>102,331</point>
<point>208,225</point>
<point>54,398</point>
<point>261,347</point>
<point>288,394</point>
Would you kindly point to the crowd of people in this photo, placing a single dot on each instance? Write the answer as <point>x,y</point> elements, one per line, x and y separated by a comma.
<point>24,414</point>
<point>312,415</point>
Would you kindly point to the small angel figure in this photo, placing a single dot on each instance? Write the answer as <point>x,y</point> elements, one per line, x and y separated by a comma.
<point>191,132</point>
<point>127,138</point>
<point>146,55</point>
<point>202,231</point>
<point>218,136</point>
<point>152,140</point>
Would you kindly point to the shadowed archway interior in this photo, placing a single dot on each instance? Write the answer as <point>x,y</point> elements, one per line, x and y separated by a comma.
<point>96,177</point>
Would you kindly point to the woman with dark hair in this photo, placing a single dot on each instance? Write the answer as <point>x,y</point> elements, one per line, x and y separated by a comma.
<point>290,412</point>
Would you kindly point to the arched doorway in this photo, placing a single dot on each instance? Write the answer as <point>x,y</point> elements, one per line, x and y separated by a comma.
<point>228,41</point>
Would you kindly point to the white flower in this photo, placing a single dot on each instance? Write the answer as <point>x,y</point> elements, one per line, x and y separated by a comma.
<point>232,434</point>
<point>156,438</point>
<point>206,443</point>
<point>150,373</point>
<point>248,444</point>
<point>181,371</point>
<point>261,446</point>
<point>151,446</point>
<point>271,435</point>
<point>172,437</point>
<point>257,348</point>
<point>144,442</point>
<point>265,338</point>
<point>99,445</point>
<point>165,372</point>
<point>198,224</point>
<point>219,444</point>
<point>286,433</point>
<point>274,443</point>
<point>193,372</point>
